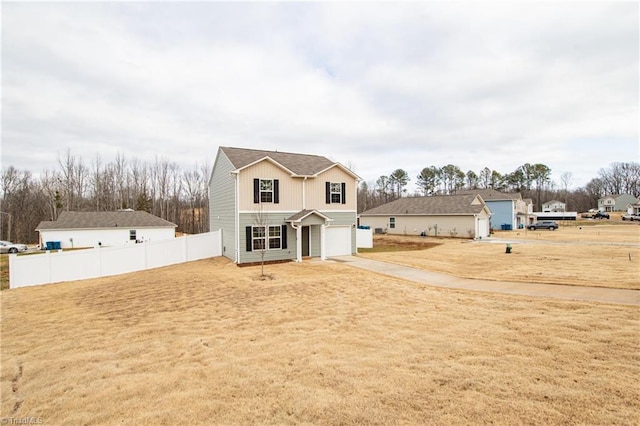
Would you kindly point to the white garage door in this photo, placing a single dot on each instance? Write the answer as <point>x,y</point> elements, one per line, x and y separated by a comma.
<point>338,240</point>
<point>483,228</point>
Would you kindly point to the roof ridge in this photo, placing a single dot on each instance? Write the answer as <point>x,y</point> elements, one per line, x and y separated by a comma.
<point>275,152</point>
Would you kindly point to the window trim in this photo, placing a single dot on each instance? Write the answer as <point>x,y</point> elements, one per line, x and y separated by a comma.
<point>266,191</point>
<point>266,237</point>
<point>333,192</point>
<point>392,223</point>
<point>330,192</point>
<point>133,235</point>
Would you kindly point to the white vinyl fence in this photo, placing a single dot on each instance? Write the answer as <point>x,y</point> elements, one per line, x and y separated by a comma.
<point>364,238</point>
<point>53,267</point>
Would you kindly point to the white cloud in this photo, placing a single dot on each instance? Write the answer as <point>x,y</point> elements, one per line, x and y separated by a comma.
<point>379,86</point>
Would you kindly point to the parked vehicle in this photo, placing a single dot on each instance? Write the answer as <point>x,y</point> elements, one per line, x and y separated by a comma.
<point>631,217</point>
<point>9,247</point>
<point>601,215</point>
<point>544,224</point>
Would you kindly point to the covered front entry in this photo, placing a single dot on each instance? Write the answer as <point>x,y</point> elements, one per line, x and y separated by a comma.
<point>310,226</point>
<point>305,241</point>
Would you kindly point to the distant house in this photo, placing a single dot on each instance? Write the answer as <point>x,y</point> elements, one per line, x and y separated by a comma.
<point>92,229</point>
<point>506,209</point>
<point>616,203</point>
<point>554,206</point>
<point>462,216</point>
<point>284,206</point>
<point>633,208</point>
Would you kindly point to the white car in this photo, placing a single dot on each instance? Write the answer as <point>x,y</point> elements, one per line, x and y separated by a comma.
<point>9,247</point>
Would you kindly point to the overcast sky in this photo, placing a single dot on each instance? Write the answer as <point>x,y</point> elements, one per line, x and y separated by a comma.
<point>375,86</point>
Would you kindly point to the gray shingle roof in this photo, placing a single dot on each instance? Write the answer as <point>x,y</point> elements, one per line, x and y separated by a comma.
<point>434,205</point>
<point>491,194</point>
<point>303,214</point>
<point>119,219</point>
<point>300,164</point>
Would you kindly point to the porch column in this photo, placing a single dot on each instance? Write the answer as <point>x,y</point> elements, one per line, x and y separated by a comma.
<point>299,243</point>
<point>322,242</point>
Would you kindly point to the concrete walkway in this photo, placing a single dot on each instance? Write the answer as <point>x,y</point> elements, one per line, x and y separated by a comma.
<point>557,291</point>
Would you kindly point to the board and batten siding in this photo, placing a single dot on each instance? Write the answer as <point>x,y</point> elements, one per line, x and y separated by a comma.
<point>315,190</point>
<point>290,189</point>
<point>222,210</point>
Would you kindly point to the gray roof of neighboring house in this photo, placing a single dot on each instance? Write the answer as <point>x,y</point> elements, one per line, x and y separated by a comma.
<point>434,205</point>
<point>492,194</point>
<point>616,196</point>
<point>117,219</point>
<point>300,164</point>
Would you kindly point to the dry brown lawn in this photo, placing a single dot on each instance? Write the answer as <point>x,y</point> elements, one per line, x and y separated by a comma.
<point>321,343</point>
<point>599,255</point>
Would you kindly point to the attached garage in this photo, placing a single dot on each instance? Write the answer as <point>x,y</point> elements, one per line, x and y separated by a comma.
<point>338,241</point>
<point>483,227</point>
<point>457,216</point>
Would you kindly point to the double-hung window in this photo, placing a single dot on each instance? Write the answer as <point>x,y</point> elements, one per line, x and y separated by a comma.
<point>335,193</point>
<point>257,238</point>
<point>267,238</point>
<point>392,222</point>
<point>275,237</point>
<point>266,190</point>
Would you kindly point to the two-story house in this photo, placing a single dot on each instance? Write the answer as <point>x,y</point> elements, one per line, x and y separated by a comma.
<point>616,203</point>
<point>282,206</point>
<point>554,206</point>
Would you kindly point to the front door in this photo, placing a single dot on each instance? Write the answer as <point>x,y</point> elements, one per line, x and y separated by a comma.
<point>305,241</point>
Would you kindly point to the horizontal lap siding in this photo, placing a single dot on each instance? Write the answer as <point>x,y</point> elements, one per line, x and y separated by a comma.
<point>414,225</point>
<point>290,189</point>
<point>222,204</point>
<point>315,190</point>
<point>272,219</point>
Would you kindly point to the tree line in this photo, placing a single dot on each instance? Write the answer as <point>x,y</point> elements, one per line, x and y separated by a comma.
<point>531,180</point>
<point>180,196</point>
<point>159,187</point>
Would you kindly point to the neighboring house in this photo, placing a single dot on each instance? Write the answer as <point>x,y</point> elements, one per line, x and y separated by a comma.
<point>554,206</point>
<point>506,209</point>
<point>616,203</point>
<point>463,216</point>
<point>93,229</point>
<point>633,208</point>
<point>282,205</point>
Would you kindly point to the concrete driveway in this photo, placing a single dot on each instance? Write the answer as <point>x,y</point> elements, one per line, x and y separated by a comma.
<point>557,291</point>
